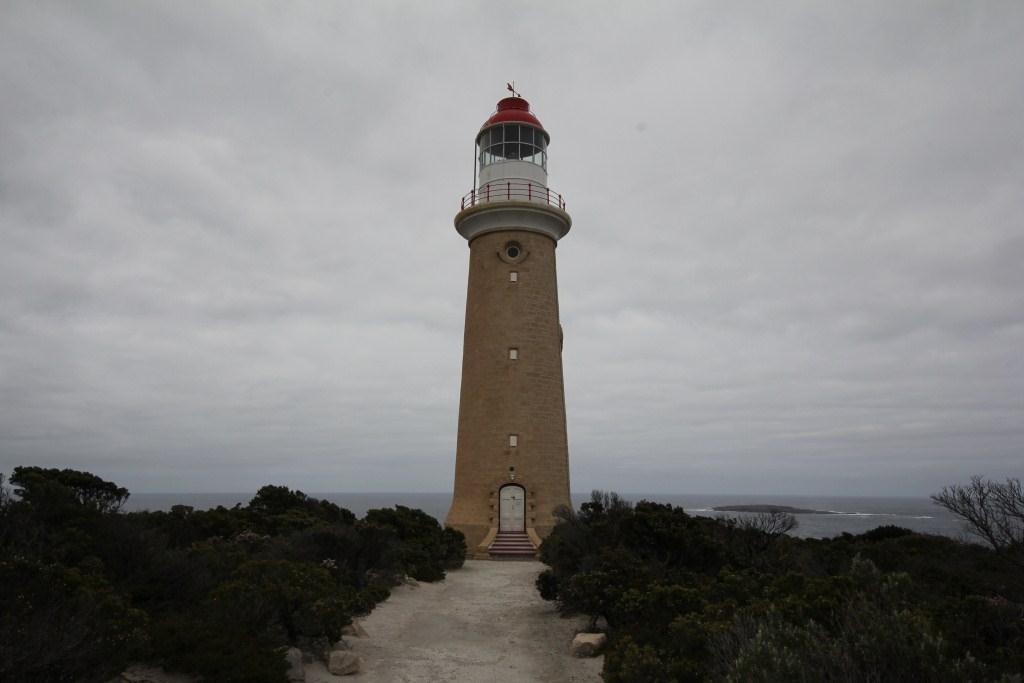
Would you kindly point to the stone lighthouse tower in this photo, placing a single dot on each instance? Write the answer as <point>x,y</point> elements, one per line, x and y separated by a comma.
<point>512,456</point>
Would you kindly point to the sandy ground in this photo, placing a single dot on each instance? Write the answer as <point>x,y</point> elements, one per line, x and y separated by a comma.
<point>485,622</point>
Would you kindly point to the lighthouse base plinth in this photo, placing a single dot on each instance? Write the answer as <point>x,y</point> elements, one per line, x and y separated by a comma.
<point>480,538</point>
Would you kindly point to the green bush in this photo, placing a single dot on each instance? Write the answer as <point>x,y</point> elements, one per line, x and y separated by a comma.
<point>454,544</point>
<point>698,599</point>
<point>54,491</point>
<point>547,585</point>
<point>62,624</point>
<point>426,549</point>
<point>225,651</point>
<point>85,588</point>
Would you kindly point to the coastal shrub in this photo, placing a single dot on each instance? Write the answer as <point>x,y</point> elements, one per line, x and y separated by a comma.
<point>426,549</point>
<point>696,599</point>
<point>286,601</point>
<point>277,500</point>
<point>53,490</point>
<point>453,542</point>
<point>278,509</point>
<point>86,588</point>
<point>993,511</point>
<point>200,642</point>
<point>63,624</point>
<point>593,593</point>
<point>628,660</point>
<point>868,644</point>
<point>884,533</point>
<point>547,585</point>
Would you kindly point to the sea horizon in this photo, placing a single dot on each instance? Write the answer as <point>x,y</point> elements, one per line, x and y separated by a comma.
<point>846,514</point>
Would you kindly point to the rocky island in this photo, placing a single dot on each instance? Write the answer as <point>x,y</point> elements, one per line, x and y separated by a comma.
<point>770,509</point>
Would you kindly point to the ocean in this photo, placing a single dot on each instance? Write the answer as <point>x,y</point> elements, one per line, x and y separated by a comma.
<point>850,514</point>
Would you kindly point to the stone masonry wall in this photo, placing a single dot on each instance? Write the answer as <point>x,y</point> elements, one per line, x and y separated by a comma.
<point>500,396</point>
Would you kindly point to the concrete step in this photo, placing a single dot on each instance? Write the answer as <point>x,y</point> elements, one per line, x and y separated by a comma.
<point>512,544</point>
<point>512,553</point>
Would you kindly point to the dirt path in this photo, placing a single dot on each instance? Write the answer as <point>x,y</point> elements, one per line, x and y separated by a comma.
<point>485,623</point>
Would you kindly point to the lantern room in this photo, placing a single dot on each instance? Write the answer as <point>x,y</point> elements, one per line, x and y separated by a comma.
<point>510,168</point>
<point>512,145</point>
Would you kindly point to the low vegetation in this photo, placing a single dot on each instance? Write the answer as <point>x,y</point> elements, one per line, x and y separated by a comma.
<point>86,588</point>
<point>687,598</point>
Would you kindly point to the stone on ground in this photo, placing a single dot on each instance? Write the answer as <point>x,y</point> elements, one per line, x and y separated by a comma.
<point>355,630</point>
<point>587,644</point>
<point>294,658</point>
<point>344,663</point>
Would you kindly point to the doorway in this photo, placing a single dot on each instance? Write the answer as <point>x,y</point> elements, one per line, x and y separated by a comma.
<point>512,508</point>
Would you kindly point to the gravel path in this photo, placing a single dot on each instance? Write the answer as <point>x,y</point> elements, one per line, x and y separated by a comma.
<point>485,622</point>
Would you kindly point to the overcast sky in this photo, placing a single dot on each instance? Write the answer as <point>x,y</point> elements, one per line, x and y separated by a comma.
<point>796,264</point>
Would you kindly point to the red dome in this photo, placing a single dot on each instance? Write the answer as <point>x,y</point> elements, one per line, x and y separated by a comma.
<point>514,110</point>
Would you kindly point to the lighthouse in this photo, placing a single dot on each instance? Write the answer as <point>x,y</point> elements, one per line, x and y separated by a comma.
<point>512,454</point>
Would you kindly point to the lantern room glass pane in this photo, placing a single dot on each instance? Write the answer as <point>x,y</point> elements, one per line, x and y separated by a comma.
<point>512,142</point>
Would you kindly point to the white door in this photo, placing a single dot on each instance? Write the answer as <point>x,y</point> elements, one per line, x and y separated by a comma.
<point>512,509</point>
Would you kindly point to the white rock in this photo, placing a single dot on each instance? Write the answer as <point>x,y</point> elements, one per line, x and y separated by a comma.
<point>293,656</point>
<point>344,663</point>
<point>341,645</point>
<point>355,630</point>
<point>318,673</point>
<point>587,644</point>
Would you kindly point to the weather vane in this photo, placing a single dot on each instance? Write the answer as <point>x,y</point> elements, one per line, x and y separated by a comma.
<point>512,88</point>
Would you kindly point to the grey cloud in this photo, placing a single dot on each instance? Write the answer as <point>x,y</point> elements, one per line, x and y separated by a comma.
<point>228,256</point>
